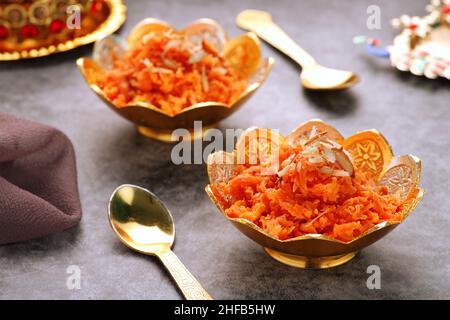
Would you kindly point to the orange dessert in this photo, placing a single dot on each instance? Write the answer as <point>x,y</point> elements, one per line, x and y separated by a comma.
<point>171,72</point>
<point>314,190</point>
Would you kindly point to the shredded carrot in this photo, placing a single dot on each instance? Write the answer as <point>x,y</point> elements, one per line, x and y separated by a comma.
<point>307,197</point>
<point>171,72</point>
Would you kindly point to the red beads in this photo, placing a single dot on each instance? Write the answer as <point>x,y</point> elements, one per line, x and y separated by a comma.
<point>57,26</point>
<point>446,9</point>
<point>29,31</point>
<point>413,26</point>
<point>4,32</point>
<point>373,42</point>
<point>96,6</point>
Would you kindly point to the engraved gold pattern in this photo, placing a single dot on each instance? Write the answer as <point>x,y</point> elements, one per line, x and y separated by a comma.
<point>220,169</point>
<point>190,287</point>
<point>398,179</point>
<point>367,156</point>
<point>370,151</point>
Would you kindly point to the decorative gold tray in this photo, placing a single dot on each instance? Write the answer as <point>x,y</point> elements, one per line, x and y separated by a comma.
<point>370,152</point>
<point>39,29</point>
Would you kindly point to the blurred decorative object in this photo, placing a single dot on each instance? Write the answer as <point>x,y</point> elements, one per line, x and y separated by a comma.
<point>372,46</point>
<point>36,28</point>
<point>423,46</point>
<point>313,76</point>
<point>158,120</point>
<point>38,181</point>
<point>394,177</point>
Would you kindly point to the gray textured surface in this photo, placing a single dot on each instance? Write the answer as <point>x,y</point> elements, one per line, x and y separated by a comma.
<point>413,113</point>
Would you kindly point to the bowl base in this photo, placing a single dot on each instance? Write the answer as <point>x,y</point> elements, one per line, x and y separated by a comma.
<point>166,135</point>
<point>310,263</point>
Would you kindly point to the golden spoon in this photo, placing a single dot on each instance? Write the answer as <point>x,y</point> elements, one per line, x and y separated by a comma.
<point>313,76</point>
<point>143,223</point>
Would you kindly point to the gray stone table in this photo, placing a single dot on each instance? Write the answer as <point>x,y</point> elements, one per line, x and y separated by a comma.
<point>412,112</point>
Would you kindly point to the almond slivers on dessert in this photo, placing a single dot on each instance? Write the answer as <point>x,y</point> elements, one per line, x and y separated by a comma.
<point>316,190</point>
<point>172,72</point>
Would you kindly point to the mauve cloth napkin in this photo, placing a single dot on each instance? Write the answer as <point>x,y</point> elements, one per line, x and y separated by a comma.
<point>38,180</point>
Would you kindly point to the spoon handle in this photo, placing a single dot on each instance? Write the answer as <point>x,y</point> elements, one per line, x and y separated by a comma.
<point>189,286</point>
<point>260,22</point>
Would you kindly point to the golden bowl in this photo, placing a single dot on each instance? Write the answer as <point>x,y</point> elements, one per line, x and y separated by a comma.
<point>243,52</point>
<point>370,152</point>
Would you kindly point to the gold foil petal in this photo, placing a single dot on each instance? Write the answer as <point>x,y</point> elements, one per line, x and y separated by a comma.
<point>257,145</point>
<point>244,53</point>
<point>303,131</point>
<point>402,176</point>
<point>221,167</point>
<point>146,26</point>
<point>207,29</point>
<point>370,151</point>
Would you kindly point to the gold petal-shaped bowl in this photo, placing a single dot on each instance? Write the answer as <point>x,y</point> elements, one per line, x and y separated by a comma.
<point>244,53</point>
<point>370,152</point>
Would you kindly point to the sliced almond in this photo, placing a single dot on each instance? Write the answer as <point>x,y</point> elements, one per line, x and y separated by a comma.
<point>317,159</point>
<point>162,70</point>
<point>283,171</point>
<point>146,62</point>
<point>317,218</point>
<point>313,132</point>
<point>146,38</point>
<point>315,138</point>
<point>205,83</point>
<point>312,150</point>
<point>298,166</point>
<point>288,160</point>
<point>169,33</point>
<point>333,143</point>
<point>326,170</point>
<point>219,71</point>
<point>328,152</point>
<point>171,64</point>
<point>348,154</point>
<point>172,44</point>
<point>196,57</point>
<point>344,161</point>
<point>340,173</point>
<point>286,164</point>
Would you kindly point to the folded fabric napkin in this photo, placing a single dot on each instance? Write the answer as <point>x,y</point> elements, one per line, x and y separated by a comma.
<point>38,181</point>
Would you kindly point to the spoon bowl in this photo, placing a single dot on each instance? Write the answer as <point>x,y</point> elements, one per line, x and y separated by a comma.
<point>313,76</point>
<point>140,220</point>
<point>317,77</point>
<point>143,223</point>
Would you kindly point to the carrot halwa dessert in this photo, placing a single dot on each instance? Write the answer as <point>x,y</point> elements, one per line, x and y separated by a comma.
<point>314,190</point>
<point>171,71</point>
